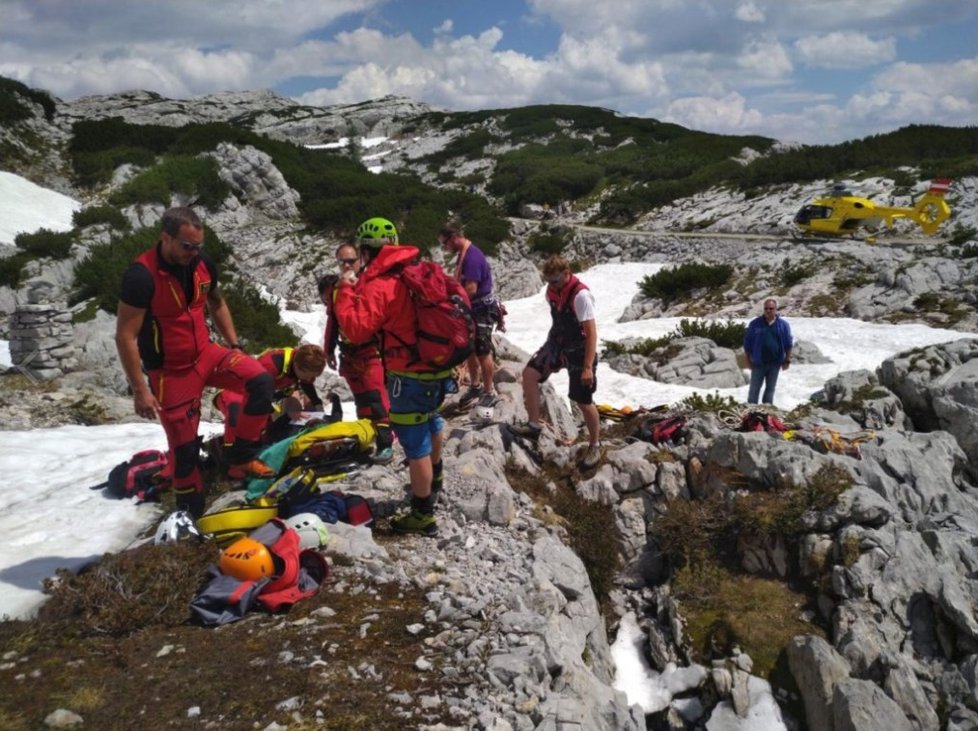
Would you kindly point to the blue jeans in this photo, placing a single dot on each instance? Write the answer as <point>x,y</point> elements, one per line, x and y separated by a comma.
<point>766,374</point>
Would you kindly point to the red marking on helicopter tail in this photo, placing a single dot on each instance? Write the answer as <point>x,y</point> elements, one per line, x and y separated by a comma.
<point>940,186</point>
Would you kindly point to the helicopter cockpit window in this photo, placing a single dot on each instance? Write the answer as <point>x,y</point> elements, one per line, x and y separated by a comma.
<point>807,213</point>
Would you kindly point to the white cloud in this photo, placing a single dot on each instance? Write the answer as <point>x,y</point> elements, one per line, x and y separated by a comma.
<point>749,13</point>
<point>765,60</point>
<point>96,24</point>
<point>726,115</point>
<point>845,50</point>
<point>470,72</point>
<point>959,78</point>
<point>631,55</point>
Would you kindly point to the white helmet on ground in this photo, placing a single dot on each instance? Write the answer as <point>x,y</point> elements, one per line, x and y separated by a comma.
<point>311,529</point>
<point>178,526</point>
<point>483,412</point>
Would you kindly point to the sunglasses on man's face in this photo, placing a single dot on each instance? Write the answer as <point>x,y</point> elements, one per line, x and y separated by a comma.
<point>348,262</point>
<point>188,246</point>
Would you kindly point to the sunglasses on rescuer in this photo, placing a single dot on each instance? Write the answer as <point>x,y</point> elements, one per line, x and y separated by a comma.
<point>187,246</point>
<point>348,262</point>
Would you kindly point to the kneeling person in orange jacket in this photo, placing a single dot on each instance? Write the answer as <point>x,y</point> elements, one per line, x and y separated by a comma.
<point>291,369</point>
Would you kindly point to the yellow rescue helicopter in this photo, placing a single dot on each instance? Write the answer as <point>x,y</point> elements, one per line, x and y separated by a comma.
<point>841,213</point>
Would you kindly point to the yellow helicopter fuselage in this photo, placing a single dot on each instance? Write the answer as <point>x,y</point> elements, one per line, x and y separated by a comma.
<point>845,214</point>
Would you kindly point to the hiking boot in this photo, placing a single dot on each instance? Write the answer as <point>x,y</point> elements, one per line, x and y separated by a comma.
<point>525,429</point>
<point>253,468</point>
<point>487,399</point>
<point>415,522</point>
<point>190,500</point>
<point>591,457</point>
<point>383,456</point>
<point>471,394</point>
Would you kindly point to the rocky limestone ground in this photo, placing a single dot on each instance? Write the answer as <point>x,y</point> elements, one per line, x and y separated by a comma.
<point>506,626</point>
<point>510,625</point>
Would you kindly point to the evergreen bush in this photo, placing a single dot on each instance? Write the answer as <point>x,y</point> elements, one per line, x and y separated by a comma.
<point>677,282</point>
<point>727,334</point>
<point>12,269</point>
<point>547,241</point>
<point>188,176</point>
<point>106,214</point>
<point>46,243</point>
<point>792,275</point>
<point>336,193</point>
<point>961,235</point>
<point>256,320</point>
<point>12,106</point>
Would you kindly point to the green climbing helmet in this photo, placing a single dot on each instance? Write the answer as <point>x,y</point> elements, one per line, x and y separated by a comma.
<point>376,232</point>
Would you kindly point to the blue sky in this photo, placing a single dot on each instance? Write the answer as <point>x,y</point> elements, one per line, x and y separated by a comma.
<point>798,70</point>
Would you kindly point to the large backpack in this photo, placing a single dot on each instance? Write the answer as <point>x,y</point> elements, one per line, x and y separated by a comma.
<point>671,429</point>
<point>140,476</point>
<point>445,328</point>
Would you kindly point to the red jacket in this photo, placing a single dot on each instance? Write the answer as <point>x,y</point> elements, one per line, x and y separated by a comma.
<point>277,362</point>
<point>380,304</point>
<point>175,331</point>
<point>334,337</point>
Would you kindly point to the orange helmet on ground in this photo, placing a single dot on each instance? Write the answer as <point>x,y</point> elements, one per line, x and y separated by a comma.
<point>246,559</point>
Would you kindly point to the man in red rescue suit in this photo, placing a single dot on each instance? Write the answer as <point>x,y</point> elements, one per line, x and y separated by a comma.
<point>378,305</point>
<point>360,364</point>
<point>161,327</point>
<point>291,369</point>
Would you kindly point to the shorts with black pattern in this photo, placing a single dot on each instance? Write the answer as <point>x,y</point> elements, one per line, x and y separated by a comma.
<point>485,321</point>
<point>550,359</point>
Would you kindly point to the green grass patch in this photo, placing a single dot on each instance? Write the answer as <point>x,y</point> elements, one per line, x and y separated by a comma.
<point>723,605</point>
<point>724,610</point>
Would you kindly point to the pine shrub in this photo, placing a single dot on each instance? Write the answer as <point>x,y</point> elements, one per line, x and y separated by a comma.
<point>95,215</point>
<point>12,269</point>
<point>727,334</point>
<point>675,283</point>
<point>46,243</point>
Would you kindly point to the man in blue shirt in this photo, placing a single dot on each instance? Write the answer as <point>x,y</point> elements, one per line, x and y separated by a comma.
<point>767,345</point>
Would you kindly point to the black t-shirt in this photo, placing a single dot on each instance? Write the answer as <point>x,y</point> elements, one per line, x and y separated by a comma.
<point>137,281</point>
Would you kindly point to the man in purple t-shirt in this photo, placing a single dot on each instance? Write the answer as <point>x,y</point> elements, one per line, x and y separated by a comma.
<point>474,273</point>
